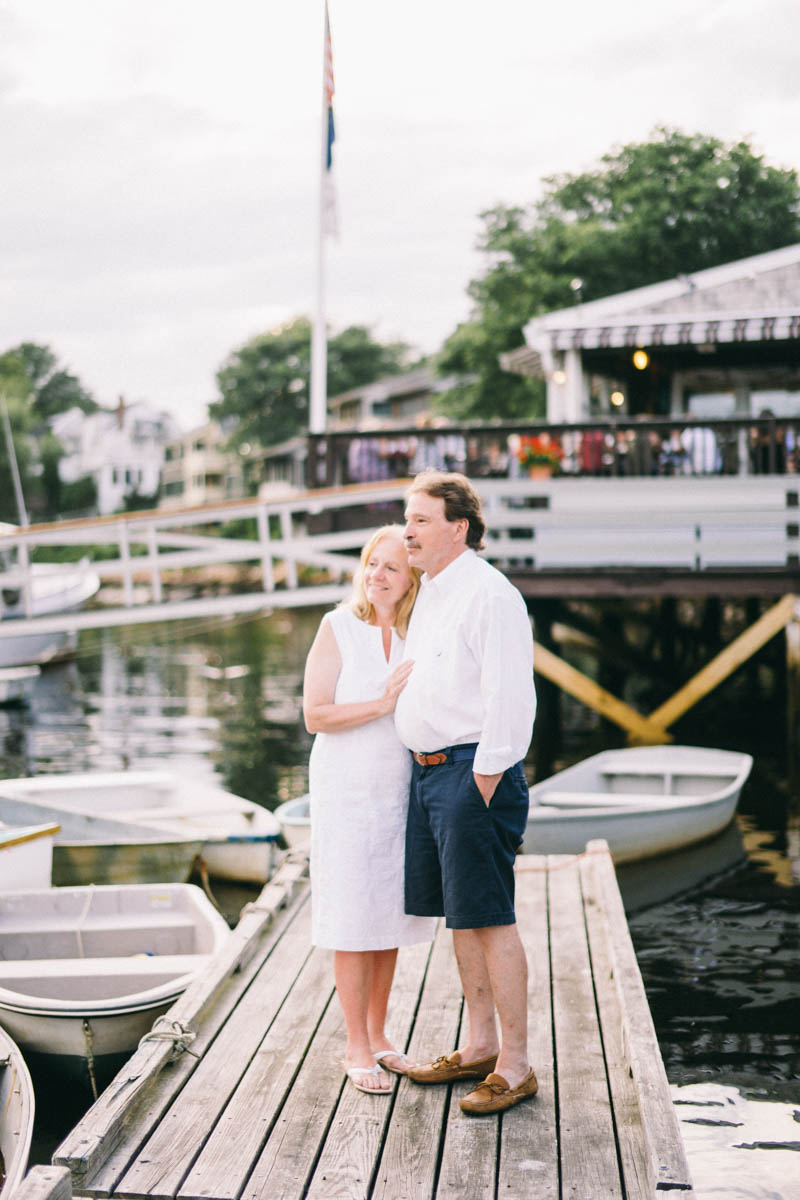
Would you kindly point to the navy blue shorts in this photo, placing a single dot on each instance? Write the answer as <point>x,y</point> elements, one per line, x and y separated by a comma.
<point>459,853</point>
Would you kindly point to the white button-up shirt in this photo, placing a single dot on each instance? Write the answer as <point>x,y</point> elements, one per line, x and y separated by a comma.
<point>471,642</point>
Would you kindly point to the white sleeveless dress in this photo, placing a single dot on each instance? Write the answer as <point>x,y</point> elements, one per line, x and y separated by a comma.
<point>358,782</point>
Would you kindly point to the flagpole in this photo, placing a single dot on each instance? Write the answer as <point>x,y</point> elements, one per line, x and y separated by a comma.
<point>318,410</point>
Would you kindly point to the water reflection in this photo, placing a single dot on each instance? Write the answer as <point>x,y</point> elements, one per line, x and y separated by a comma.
<point>739,1145</point>
<point>722,971</point>
<point>225,698</point>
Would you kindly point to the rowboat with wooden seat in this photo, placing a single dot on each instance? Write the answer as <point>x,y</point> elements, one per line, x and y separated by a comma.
<point>84,971</point>
<point>89,849</point>
<point>238,839</point>
<point>16,1116</point>
<point>643,800</point>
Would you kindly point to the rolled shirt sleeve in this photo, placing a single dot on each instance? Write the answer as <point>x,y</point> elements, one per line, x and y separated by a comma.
<point>506,683</point>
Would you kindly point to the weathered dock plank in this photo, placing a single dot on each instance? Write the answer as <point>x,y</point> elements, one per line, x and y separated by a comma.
<point>636,1158</point>
<point>265,1113</point>
<point>170,1152</point>
<point>586,1133</point>
<point>528,1162</point>
<point>288,1160</point>
<point>90,1145</point>
<point>642,1053</point>
<point>356,1135</point>
<point>410,1158</point>
<point>143,1118</point>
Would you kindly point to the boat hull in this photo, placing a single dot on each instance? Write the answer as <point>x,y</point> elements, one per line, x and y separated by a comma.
<point>28,648</point>
<point>631,836</point>
<point>85,971</point>
<point>238,840</point>
<point>76,863</point>
<point>295,822</point>
<point>16,1114</point>
<point>645,801</point>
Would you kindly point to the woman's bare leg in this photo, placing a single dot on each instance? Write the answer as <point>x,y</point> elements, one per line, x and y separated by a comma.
<point>384,962</point>
<point>354,972</point>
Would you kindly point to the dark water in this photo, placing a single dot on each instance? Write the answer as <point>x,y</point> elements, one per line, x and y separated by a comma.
<point>716,930</point>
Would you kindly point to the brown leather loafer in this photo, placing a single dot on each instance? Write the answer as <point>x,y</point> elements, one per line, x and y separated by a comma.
<point>449,1067</point>
<point>494,1094</point>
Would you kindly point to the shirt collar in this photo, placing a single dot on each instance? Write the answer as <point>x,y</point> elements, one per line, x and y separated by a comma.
<point>447,579</point>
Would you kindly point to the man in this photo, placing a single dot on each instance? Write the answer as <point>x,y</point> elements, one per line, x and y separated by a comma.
<point>467,714</point>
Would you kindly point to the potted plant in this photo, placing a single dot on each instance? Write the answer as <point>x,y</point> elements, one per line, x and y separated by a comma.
<point>540,454</point>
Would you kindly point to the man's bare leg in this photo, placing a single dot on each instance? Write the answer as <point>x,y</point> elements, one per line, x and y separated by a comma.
<point>481,1040</point>
<point>507,969</point>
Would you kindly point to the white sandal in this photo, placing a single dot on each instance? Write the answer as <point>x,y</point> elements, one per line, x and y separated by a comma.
<point>380,1055</point>
<point>356,1073</point>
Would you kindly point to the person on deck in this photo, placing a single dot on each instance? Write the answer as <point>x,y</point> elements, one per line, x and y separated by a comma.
<point>358,782</point>
<point>467,714</point>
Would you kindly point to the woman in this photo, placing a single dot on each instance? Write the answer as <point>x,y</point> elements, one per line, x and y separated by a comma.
<point>359,779</point>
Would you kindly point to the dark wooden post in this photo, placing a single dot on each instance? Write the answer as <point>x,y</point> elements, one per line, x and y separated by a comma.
<point>793,700</point>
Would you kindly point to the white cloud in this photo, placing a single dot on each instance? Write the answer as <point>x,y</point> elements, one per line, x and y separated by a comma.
<point>159,160</point>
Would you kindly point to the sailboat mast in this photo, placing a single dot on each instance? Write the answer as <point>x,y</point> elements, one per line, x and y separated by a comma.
<point>12,458</point>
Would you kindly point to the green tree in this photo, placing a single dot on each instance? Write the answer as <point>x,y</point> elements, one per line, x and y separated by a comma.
<point>51,388</point>
<point>36,387</point>
<point>675,204</point>
<point>264,385</point>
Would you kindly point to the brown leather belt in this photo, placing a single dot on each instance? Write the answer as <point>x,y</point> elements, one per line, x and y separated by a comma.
<point>450,754</point>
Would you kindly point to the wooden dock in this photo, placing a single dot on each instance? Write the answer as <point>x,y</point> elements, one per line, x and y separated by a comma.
<point>257,1105</point>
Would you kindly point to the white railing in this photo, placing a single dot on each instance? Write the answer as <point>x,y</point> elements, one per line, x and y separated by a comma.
<point>692,525</point>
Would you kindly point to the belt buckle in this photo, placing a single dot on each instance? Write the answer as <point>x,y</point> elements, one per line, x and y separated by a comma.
<point>431,760</point>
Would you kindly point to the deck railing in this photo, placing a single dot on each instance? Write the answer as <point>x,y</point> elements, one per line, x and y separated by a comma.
<point>662,446</point>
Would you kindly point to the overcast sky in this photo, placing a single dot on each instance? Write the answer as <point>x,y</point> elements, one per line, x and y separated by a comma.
<point>159,158</point>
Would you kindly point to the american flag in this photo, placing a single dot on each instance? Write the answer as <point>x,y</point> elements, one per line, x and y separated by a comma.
<point>330,223</point>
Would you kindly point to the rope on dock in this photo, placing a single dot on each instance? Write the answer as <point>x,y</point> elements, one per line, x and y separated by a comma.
<point>176,1032</point>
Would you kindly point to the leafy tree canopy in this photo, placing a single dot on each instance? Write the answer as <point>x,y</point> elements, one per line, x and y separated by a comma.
<point>264,385</point>
<point>35,388</point>
<point>652,210</point>
<point>32,372</point>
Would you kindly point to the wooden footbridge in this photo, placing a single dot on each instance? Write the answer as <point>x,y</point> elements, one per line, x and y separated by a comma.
<point>563,537</point>
<point>258,1108</point>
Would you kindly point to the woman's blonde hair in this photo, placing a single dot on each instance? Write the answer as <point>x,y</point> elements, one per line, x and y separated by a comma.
<point>358,602</point>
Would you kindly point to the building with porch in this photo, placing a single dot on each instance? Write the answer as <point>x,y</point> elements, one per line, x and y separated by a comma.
<point>199,468</point>
<point>122,449</point>
<point>724,342</point>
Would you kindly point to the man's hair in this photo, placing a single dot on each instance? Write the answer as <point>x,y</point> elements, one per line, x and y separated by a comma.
<point>461,501</point>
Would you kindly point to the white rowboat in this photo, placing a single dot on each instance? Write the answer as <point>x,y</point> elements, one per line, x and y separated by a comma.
<point>295,822</point>
<point>90,849</point>
<point>55,588</point>
<point>85,971</point>
<point>16,1116</point>
<point>237,839</point>
<point>645,801</point>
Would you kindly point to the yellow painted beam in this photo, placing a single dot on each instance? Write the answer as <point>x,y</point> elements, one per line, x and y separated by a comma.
<point>726,662</point>
<point>644,729</point>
